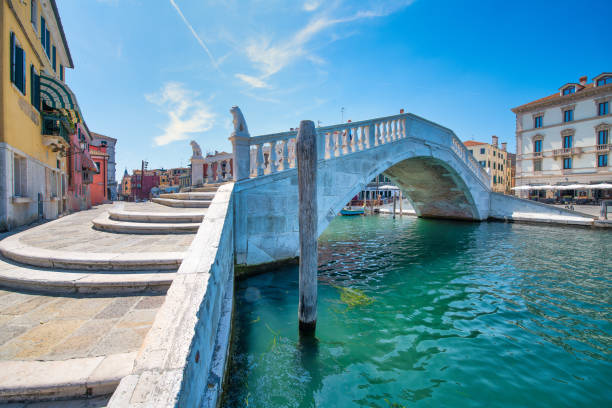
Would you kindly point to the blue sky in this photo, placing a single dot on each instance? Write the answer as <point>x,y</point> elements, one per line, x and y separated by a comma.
<point>156,74</point>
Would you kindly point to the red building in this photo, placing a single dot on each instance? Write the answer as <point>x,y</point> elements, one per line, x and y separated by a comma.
<point>99,187</point>
<point>141,189</point>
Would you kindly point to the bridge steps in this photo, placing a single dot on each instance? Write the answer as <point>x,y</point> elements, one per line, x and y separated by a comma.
<point>106,223</point>
<point>170,202</point>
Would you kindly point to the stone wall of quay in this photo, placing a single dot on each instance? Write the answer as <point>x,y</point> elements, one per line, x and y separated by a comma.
<point>182,360</point>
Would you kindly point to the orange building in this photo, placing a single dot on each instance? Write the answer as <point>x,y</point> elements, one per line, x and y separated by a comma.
<point>99,187</point>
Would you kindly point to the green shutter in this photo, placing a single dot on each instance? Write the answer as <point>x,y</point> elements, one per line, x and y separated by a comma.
<point>23,71</point>
<point>54,59</point>
<point>32,83</point>
<point>48,43</point>
<point>12,57</point>
<point>43,28</point>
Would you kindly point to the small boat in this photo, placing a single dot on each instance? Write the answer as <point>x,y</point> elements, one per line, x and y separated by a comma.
<point>352,211</point>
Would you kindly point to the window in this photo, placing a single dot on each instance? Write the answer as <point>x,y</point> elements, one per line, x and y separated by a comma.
<point>602,160</point>
<point>43,31</point>
<point>494,153</point>
<point>567,142</point>
<point>603,108</point>
<point>61,72</point>
<point>489,164</point>
<point>34,88</point>
<point>568,115</point>
<point>53,59</point>
<point>567,163</point>
<point>19,176</point>
<point>471,151</point>
<point>482,151</point>
<point>537,146</point>
<point>604,81</point>
<point>34,13</point>
<point>569,90</point>
<point>537,165</point>
<point>494,179</point>
<point>483,163</point>
<point>537,122</point>
<point>602,137</point>
<point>18,65</point>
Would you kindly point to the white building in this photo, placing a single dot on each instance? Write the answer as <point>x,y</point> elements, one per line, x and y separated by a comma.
<point>564,138</point>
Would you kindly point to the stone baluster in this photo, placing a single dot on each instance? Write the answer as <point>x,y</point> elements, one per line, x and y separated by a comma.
<point>293,157</point>
<point>371,138</point>
<point>259,161</point>
<point>219,171</point>
<point>345,141</point>
<point>389,126</point>
<point>378,136</point>
<point>328,145</point>
<point>395,135</point>
<point>273,157</point>
<point>403,128</point>
<point>284,161</point>
<point>362,138</point>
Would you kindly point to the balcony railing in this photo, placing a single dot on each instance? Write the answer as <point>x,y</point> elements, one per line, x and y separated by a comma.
<point>567,151</point>
<point>603,147</point>
<point>56,125</point>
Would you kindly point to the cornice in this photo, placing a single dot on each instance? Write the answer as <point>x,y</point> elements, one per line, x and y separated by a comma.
<point>565,99</point>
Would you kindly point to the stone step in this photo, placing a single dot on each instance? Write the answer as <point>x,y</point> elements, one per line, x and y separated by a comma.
<point>51,380</point>
<point>64,281</point>
<point>206,188</point>
<point>190,196</point>
<point>14,250</point>
<point>170,202</point>
<point>155,217</point>
<point>104,223</point>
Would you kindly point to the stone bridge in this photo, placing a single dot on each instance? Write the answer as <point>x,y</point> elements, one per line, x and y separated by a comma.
<point>428,162</point>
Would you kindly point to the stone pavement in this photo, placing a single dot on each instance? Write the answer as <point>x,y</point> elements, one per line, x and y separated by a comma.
<point>98,402</point>
<point>43,327</point>
<point>592,210</point>
<point>77,235</point>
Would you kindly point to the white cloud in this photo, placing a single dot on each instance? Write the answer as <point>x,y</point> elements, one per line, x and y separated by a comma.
<point>271,58</point>
<point>186,113</point>
<point>251,80</point>
<point>311,5</point>
<point>197,37</point>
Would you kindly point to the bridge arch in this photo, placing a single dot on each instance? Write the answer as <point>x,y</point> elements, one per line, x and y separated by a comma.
<point>425,160</point>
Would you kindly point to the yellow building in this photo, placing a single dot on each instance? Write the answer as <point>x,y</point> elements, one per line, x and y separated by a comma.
<point>495,161</point>
<point>37,112</point>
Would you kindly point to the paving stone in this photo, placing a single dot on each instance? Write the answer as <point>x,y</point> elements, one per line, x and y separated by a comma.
<point>111,370</point>
<point>120,341</point>
<point>118,307</point>
<point>137,319</point>
<point>150,302</point>
<point>10,331</point>
<point>39,340</point>
<point>82,341</point>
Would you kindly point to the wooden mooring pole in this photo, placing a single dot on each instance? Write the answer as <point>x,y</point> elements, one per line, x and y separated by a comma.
<point>401,198</point>
<point>394,205</point>
<point>306,151</point>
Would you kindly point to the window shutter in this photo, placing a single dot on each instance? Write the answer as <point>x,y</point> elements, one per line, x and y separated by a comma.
<point>54,60</point>
<point>32,84</point>
<point>23,71</point>
<point>48,43</point>
<point>12,57</point>
<point>43,28</point>
<point>37,88</point>
<point>19,70</point>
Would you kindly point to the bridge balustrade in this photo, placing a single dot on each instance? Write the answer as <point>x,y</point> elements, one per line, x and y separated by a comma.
<point>274,153</point>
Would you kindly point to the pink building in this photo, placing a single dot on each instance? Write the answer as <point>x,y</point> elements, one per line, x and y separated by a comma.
<point>81,169</point>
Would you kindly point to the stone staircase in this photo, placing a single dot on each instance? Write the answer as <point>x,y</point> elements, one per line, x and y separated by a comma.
<point>197,197</point>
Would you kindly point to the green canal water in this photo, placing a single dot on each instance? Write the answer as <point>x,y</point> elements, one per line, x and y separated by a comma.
<point>433,313</point>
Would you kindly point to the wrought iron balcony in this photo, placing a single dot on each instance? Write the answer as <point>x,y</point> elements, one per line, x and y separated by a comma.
<point>56,131</point>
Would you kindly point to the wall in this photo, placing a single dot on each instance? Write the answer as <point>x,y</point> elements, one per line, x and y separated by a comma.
<point>98,188</point>
<point>183,357</point>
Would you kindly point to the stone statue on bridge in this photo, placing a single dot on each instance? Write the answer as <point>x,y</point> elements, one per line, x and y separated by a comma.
<point>197,151</point>
<point>240,126</point>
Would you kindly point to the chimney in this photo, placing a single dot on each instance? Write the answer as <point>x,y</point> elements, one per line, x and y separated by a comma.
<point>401,111</point>
<point>504,146</point>
<point>583,80</point>
<point>494,140</point>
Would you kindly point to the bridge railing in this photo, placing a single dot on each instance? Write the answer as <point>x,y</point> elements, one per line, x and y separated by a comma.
<point>276,152</point>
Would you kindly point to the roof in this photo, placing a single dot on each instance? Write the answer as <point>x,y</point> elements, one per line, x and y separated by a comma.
<point>473,143</point>
<point>61,30</point>
<point>99,136</point>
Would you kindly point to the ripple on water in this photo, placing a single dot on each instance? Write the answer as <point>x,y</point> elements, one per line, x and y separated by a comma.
<point>437,313</point>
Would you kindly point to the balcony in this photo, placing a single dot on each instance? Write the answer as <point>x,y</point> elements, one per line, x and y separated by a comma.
<point>602,148</point>
<point>56,132</point>
<point>567,151</point>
